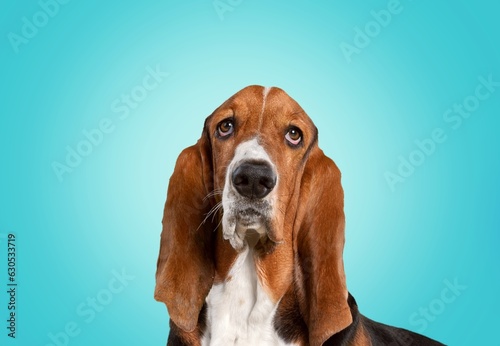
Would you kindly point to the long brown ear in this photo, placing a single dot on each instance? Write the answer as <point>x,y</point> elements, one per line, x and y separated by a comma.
<point>185,268</point>
<point>319,244</point>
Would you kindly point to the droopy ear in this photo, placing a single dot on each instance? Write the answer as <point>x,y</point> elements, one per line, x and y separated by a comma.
<point>319,244</point>
<point>185,268</point>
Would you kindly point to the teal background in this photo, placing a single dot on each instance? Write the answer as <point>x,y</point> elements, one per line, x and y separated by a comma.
<point>440,224</point>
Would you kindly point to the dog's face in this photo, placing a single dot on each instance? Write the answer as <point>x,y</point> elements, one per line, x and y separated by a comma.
<point>260,139</point>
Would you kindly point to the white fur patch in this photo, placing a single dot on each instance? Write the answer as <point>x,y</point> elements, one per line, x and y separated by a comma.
<point>239,312</point>
<point>265,91</point>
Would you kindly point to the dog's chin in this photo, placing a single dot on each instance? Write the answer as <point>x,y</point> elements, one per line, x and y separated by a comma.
<point>245,228</point>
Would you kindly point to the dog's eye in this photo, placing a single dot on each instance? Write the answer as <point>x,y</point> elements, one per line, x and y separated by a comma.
<point>294,136</point>
<point>225,127</point>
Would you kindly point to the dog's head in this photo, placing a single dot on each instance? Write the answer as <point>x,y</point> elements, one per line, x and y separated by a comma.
<point>258,163</point>
<point>260,139</point>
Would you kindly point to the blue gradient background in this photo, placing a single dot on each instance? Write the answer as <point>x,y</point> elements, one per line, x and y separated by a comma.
<point>441,224</point>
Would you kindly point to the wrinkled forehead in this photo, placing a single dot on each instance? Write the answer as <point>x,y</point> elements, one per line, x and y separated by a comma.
<point>257,110</point>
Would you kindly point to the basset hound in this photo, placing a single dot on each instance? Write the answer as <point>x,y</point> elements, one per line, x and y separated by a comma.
<point>253,235</point>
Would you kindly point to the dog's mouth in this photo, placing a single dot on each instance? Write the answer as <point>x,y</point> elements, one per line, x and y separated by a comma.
<point>247,224</point>
<point>251,219</point>
<point>251,226</point>
<point>248,217</point>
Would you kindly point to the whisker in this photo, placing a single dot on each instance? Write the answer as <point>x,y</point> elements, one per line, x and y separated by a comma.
<point>212,211</point>
<point>217,225</point>
<point>219,206</point>
<point>213,193</point>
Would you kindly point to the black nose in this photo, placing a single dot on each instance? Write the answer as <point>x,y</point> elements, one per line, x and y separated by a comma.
<point>254,179</point>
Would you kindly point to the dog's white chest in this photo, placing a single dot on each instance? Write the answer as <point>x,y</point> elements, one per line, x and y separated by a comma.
<point>239,312</point>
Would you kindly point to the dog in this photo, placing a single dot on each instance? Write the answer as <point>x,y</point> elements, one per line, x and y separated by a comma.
<point>253,235</point>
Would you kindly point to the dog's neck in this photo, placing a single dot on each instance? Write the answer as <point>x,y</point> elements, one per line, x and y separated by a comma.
<point>244,298</point>
<point>270,258</point>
